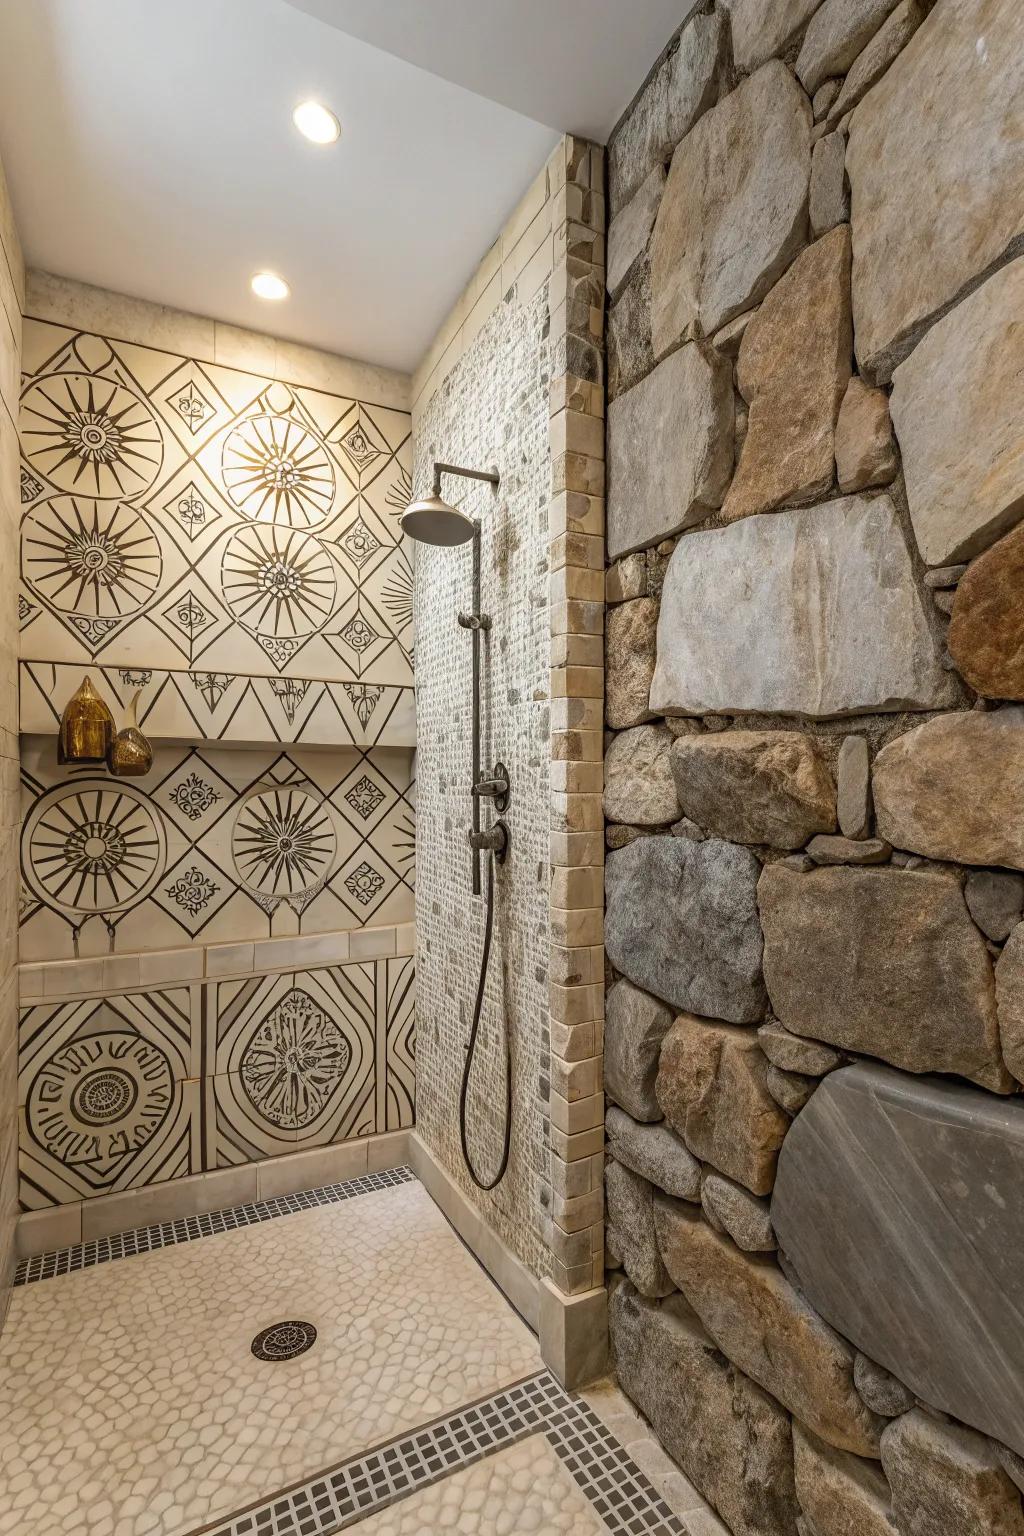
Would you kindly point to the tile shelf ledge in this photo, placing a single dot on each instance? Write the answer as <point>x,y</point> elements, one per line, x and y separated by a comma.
<point>50,979</point>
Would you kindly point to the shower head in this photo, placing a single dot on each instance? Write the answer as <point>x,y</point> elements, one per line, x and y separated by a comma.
<point>433,521</point>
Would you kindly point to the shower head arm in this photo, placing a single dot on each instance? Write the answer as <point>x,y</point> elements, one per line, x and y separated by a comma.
<point>490,475</point>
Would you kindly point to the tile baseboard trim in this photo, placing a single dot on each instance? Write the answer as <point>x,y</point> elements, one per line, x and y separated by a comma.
<point>572,1330</point>
<point>204,1204</point>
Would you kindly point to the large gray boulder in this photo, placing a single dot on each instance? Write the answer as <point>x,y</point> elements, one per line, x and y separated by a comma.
<point>947,1481</point>
<point>886,962</point>
<point>843,1495</point>
<point>793,369</point>
<point>629,1202</point>
<point>953,788</point>
<point>729,1437</point>
<point>943,126</point>
<point>771,787</point>
<point>813,612</point>
<point>635,1024</point>
<point>734,210</point>
<point>682,923</point>
<point>712,1086</point>
<point>685,407</point>
<point>763,1324</point>
<point>897,1204</point>
<point>654,1152</point>
<point>630,230</point>
<point>955,410</point>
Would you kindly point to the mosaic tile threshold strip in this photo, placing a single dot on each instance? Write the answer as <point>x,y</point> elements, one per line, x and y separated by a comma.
<point>165,1234</point>
<point>622,1496</point>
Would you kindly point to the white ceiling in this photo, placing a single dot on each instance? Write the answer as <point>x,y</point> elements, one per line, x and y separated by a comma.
<point>149,145</point>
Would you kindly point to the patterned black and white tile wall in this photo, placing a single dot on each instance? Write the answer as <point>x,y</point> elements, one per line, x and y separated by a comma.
<point>214,843</point>
<point>178,514</point>
<point>228,545</point>
<point>118,1092</point>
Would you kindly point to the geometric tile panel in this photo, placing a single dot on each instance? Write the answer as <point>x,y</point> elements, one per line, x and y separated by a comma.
<point>106,1094</point>
<point>134,1089</point>
<point>185,516</point>
<point>218,843</point>
<point>204,706</point>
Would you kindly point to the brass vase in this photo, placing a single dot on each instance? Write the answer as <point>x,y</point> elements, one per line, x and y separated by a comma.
<point>130,753</point>
<point>86,727</point>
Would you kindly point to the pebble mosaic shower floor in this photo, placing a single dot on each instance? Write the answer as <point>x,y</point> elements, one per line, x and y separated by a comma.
<point>401,1395</point>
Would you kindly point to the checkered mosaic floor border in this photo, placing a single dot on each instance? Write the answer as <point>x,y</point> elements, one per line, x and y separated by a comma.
<point>622,1496</point>
<point>125,1245</point>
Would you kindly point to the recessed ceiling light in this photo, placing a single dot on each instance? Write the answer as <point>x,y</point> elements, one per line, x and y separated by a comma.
<point>316,122</point>
<point>267,285</point>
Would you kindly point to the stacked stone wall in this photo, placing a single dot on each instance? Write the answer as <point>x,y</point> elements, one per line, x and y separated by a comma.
<point>814,763</point>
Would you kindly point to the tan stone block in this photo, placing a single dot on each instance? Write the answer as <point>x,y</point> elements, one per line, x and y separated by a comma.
<point>576,926</point>
<point>582,550</point>
<point>577,472</point>
<point>574,512</point>
<point>577,848</point>
<point>575,1081</point>
<point>577,714</point>
<point>571,1180</point>
<point>573,1042</point>
<point>575,432</point>
<point>577,888</point>
<point>578,682</point>
<point>576,1005</point>
<point>577,1144</point>
<point>577,778</point>
<point>576,618</point>
<point>578,1114</point>
<point>577,746</point>
<point>579,1212</point>
<point>574,967</point>
<point>577,650</point>
<point>567,392</point>
<point>575,584</point>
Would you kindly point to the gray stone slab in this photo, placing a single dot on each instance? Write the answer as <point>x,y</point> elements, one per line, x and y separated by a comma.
<point>898,1204</point>
<point>813,611</point>
<point>670,449</point>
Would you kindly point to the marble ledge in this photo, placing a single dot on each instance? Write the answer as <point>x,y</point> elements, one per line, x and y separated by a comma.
<point>46,980</point>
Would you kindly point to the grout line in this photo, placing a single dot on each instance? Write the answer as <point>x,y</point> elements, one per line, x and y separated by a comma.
<point>187,1229</point>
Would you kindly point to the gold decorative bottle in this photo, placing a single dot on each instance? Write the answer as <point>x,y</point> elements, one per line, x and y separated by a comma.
<point>130,753</point>
<point>86,727</point>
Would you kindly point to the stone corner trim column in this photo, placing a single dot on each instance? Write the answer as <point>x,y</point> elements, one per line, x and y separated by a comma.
<point>897,1204</point>
<point>576,610</point>
<point>811,611</point>
<point>886,962</point>
<point>734,210</point>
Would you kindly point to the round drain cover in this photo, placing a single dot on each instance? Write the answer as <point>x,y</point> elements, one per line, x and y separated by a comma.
<point>284,1341</point>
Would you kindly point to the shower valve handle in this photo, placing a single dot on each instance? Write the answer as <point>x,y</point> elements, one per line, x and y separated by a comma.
<point>475,620</point>
<point>490,789</point>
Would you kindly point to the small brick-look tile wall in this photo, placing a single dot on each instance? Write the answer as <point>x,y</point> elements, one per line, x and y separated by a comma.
<point>814,1043</point>
<point>514,379</point>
